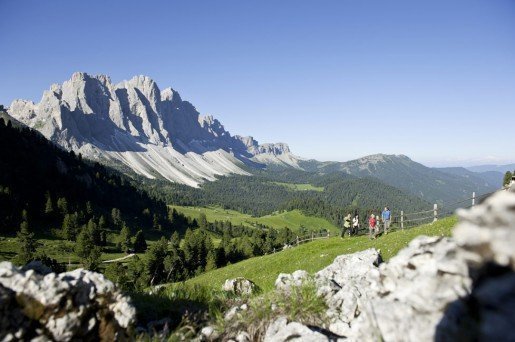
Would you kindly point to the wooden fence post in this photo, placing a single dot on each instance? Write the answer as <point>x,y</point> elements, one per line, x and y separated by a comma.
<point>312,236</point>
<point>402,219</point>
<point>474,198</point>
<point>435,213</point>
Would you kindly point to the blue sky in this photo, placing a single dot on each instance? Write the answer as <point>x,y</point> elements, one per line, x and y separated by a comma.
<point>434,80</point>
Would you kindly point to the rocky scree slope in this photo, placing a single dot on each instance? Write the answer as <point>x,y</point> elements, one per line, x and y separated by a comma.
<point>437,288</point>
<point>151,131</point>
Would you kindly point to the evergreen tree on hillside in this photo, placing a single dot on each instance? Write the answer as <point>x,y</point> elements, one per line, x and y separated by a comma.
<point>89,208</point>
<point>202,221</point>
<point>155,261</point>
<point>95,232</point>
<point>196,247</point>
<point>175,240</point>
<point>124,239</point>
<point>102,223</point>
<point>49,206</point>
<point>140,245</point>
<point>507,178</point>
<point>116,217</point>
<point>62,205</point>
<point>211,262</point>
<point>87,250</point>
<point>174,264</point>
<point>70,227</point>
<point>155,223</point>
<point>27,243</point>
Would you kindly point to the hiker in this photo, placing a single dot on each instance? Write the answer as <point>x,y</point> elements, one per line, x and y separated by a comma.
<point>346,225</point>
<point>386,216</point>
<point>372,226</point>
<point>355,225</point>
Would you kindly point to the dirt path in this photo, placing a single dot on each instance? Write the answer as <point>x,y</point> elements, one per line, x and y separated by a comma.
<point>119,259</point>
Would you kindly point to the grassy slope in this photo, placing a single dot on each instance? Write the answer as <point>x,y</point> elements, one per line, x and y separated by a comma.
<point>301,186</point>
<point>316,255</point>
<point>291,219</point>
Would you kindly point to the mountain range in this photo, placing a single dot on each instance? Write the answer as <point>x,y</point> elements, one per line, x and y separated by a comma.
<point>492,168</point>
<point>137,127</point>
<point>151,131</point>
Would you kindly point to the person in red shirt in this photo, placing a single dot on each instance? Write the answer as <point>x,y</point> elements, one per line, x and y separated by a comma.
<point>372,224</point>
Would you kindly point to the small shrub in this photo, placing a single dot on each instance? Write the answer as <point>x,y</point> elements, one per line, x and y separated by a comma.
<point>301,305</point>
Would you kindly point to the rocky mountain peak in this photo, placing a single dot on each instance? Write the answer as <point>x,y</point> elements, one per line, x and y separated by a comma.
<point>168,94</point>
<point>275,149</point>
<point>134,123</point>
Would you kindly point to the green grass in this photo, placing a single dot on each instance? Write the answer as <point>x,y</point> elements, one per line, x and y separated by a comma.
<point>300,186</point>
<point>291,219</point>
<point>314,256</point>
<point>60,250</point>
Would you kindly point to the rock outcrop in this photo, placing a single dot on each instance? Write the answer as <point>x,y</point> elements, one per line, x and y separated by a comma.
<point>76,305</point>
<point>486,237</point>
<point>437,288</point>
<point>239,286</point>
<point>152,131</point>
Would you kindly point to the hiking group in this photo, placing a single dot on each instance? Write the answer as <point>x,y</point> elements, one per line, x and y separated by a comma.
<point>351,225</point>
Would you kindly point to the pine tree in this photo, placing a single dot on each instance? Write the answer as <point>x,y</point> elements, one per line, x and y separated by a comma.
<point>140,245</point>
<point>89,208</point>
<point>116,216</point>
<point>49,207</point>
<point>211,260</point>
<point>174,265</point>
<point>507,178</point>
<point>95,232</point>
<point>86,249</point>
<point>102,223</point>
<point>124,239</point>
<point>24,215</point>
<point>70,226</point>
<point>155,261</point>
<point>202,221</point>
<point>27,244</point>
<point>62,205</point>
<point>175,240</point>
<point>103,238</point>
<point>155,223</point>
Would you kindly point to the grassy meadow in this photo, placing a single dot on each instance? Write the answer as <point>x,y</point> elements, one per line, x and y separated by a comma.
<point>316,255</point>
<point>291,219</point>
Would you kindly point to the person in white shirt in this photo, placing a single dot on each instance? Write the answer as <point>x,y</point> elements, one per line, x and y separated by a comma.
<point>355,225</point>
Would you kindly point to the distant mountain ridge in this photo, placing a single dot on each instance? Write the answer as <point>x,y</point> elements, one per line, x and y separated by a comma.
<point>488,178</point>
<point>496,168</point>
<point>152,131</point>
<point>400,171</point>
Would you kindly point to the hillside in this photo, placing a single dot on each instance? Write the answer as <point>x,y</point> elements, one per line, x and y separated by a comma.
<point>325,196</point>
<point>313,256</point>
<point>290,219</point>
<point>50,183</point>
